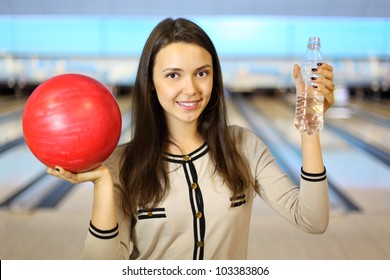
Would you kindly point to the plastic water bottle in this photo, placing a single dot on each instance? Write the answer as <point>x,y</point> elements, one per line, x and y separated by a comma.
<point>309,103</point>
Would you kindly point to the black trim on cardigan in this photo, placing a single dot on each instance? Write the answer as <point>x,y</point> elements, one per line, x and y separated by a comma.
<point>154,213</point>
<point>195,195</point>
<point>313,177</point>
<point>197,207</point>
<point>236,201</point>
<point>103,234</point>
<point>201,151</point>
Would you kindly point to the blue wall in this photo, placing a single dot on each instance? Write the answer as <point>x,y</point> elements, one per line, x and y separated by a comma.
<point>233,36</point>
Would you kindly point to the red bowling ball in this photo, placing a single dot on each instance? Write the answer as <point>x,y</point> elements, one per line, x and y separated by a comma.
<point>72,121</point>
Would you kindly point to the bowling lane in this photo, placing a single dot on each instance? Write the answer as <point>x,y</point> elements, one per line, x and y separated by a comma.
<point>18,167</point>
<point>11,104</point>
<point>366,124</point>
<point>361,176</point>
<point>11,129</point>
<point>379,109</point>
<point>11,110</point>
<point>368,121</point>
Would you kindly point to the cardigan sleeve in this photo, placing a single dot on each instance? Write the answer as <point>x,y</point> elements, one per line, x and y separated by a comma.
<point>114,243</point>
<point>305,206</point>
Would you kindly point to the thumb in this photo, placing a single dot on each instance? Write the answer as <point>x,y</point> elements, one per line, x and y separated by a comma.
<point>296,71</point>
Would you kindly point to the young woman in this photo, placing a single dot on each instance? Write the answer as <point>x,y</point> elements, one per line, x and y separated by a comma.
<point>183,187</point>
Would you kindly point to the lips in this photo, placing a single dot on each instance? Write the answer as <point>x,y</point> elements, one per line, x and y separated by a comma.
<point>188,104</point>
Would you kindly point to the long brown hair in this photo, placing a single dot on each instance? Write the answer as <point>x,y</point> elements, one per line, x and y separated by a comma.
<point>143,172</point>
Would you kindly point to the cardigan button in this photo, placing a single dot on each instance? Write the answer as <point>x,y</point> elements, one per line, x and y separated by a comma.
<point>199,244</point>
<point>199,215</point>
<point>194,186</point>
<point>186,157</point>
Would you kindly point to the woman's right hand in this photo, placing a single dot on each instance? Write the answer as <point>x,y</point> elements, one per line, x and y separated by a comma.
<point>95,175</point>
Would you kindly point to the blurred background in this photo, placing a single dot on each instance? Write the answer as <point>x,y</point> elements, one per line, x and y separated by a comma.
<point>258,43</point>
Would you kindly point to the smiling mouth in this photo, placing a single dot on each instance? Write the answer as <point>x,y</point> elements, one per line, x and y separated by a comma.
<point>188,104</point>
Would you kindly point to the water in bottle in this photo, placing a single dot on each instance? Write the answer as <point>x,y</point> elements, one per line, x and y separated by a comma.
<point>309,103</point>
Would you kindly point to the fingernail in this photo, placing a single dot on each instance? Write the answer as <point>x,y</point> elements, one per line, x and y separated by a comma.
<point>313,78</point>
<point>319,64</point>
<point>314,69</point>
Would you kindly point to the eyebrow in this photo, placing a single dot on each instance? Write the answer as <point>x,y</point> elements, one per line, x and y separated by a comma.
<point>179,69</point>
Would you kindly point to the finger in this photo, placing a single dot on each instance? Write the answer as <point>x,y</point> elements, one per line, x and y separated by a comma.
<point>325,65</point>
<point>54,171</point>
<point>323,82</point>
<point>51,171</point>
<point>61,173</point>
<point>327,74</point>
<point>328,101</point>
<point>328,94</point>
<point>324,90</point>
<point>296,71</point>
<point>325,70</point>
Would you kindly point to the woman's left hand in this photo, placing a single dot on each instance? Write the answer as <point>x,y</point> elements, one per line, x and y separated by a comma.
<point>324,83</point>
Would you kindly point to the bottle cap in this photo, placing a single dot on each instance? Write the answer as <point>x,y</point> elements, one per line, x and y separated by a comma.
<point>314,41</point>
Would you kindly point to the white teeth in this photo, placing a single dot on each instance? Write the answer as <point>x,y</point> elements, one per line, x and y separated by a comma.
<point>187,104</point>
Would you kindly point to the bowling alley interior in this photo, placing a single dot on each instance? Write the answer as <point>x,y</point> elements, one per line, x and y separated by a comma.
<point>258,43</point>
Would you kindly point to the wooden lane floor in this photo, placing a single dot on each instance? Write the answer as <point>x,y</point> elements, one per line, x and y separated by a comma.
<point>356,172</point>
<point>362,178</point>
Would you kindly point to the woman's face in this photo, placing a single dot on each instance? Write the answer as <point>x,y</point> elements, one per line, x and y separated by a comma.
<point>183,80</point>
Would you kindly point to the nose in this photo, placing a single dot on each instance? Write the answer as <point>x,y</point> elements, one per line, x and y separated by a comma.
<point>189,86</point>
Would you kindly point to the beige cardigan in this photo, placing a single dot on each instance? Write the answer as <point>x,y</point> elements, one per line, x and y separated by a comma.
<point>199,219</point>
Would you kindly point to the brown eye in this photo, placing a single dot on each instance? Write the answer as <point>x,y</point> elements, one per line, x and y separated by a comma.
<point>172,75</point>
<point>203,74</point>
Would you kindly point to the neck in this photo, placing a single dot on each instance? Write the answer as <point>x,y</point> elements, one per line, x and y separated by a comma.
<point>185,139</point>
